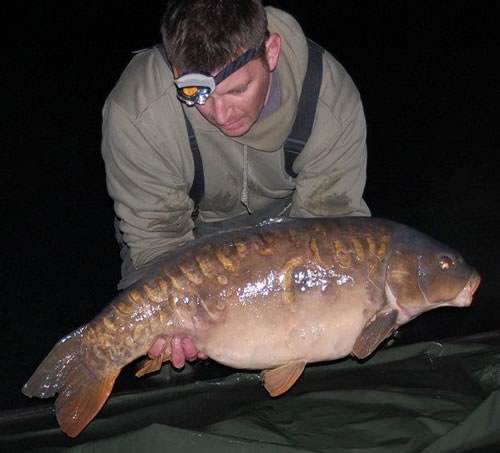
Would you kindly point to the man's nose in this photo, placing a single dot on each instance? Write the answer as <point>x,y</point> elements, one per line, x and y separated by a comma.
<point>221,110</point>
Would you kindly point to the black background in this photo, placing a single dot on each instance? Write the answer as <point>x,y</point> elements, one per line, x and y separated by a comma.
<point>428,76</point>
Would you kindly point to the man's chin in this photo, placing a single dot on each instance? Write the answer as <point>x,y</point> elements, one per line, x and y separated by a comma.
<point>237,129</point>
<point>234,133</point>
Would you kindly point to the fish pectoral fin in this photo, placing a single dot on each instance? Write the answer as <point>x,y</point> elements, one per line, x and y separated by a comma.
<point>374,332</point>
<point>279,380</point>
<point>82,397</point>
<point>152,365</point>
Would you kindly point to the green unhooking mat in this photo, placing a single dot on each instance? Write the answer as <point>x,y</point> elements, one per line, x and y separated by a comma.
<point>427,397</point>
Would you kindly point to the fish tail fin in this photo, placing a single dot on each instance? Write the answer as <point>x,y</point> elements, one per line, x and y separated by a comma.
<point>82,392</point>
<point>51,375</point>
<point>82,398</point>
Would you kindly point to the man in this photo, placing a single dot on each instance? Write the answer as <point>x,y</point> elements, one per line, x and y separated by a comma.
<point>232,71</point>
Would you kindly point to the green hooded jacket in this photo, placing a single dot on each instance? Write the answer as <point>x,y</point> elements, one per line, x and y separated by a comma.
<point>150,170</point>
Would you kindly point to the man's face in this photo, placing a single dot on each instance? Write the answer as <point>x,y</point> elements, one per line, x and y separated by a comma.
<point>236,103</point>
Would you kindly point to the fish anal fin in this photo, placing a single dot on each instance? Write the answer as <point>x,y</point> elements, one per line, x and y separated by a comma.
<point>279,380</point>
<point>152,365</point>
<point>82,398</point>
<point>375,332</point>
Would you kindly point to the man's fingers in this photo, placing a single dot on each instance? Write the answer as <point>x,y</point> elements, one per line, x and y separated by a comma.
<point>157,348</point>
<point>189,348</point>
<point>182,349</point>
<point>178,358</point>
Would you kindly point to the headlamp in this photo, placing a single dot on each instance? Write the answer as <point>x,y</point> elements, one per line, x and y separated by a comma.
<point>196,87</point>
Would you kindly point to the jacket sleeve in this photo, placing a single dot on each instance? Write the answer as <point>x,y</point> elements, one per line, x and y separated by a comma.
<point>147,185</point>
<point>332,167</point>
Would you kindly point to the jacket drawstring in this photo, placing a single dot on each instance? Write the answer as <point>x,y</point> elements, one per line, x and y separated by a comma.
<point>244,190</point>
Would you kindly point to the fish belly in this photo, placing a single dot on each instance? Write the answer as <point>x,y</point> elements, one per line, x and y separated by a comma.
<point>313,328</point>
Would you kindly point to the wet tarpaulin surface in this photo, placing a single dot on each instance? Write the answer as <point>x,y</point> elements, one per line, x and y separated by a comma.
<point>426,397</point>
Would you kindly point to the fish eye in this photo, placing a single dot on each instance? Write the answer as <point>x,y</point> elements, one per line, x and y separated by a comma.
<point>446,262</point>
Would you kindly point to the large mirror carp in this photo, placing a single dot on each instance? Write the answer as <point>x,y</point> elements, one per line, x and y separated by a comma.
<point>274,298</point>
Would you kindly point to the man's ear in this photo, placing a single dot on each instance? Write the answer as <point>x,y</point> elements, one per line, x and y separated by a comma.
<point>273,48</point>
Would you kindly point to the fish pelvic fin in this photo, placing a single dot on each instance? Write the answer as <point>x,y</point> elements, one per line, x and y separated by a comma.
<point>375,332</point>
<point>279,380</point>
<point>82,398</point>
<point>152,365</point>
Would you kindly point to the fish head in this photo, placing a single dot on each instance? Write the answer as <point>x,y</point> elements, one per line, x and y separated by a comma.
<point>424,274</point>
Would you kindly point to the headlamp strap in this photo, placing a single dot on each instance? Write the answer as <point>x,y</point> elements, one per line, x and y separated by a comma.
<point>242,60</point>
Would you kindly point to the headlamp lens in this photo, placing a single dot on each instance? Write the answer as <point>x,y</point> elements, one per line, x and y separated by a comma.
<point>189,91</point>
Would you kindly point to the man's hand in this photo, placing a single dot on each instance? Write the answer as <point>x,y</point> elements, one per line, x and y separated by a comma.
<point>182,349</point>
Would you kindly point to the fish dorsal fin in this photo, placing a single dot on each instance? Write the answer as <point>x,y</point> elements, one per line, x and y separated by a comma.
<point>374,332</point>
<point>82,397</point>
<point>279,380</point>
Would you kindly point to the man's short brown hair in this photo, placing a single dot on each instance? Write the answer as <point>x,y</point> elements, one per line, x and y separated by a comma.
<point>205,35</point>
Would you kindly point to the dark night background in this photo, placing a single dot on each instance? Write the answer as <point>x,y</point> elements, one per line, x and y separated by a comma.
<point>428,76</point>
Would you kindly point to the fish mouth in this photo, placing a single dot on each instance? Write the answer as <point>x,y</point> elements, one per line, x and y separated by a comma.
<point>464,299</point>
<point>476,280</point>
